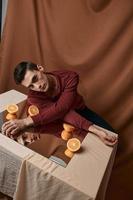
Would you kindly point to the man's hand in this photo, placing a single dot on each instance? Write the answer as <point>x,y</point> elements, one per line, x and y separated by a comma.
<point>30,137</point>
<point>12,127</point>
<point>107,138</point>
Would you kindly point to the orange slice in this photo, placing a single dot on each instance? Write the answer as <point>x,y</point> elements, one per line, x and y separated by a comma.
<point>73,144</point>
<point>12,108</point>
<point>33,110</point>
<point>66,135</point>
<point>68,127</point>
<point>11,116</point>
<point>68,153</point>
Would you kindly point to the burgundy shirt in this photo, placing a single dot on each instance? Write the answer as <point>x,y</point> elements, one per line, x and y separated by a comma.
<point>63,105</point>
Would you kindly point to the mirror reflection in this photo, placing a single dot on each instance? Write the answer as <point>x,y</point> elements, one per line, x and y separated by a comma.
<point>50,141</point>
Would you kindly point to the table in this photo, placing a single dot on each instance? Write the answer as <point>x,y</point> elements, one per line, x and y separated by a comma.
<point>26,172</point>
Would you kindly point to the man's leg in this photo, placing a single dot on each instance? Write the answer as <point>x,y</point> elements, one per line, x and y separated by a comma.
<point>93,117</point>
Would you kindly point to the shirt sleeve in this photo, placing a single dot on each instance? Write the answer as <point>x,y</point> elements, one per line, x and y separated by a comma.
<point>75,119</point>
<point>59,108</point>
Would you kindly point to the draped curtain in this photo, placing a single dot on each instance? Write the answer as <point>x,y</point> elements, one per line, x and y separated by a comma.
<point>0,16</point>
<point>93,38</point>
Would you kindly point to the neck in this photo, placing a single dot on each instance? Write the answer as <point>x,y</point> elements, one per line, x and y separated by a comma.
<point>52,85</point>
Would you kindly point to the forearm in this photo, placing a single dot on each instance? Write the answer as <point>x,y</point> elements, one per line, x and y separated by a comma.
<point>75,119</point>
<point>78,121</point>
<point>55,111</point>
<point>94,130</point>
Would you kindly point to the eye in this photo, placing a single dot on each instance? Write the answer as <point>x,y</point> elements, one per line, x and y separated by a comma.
<point>34,79</point>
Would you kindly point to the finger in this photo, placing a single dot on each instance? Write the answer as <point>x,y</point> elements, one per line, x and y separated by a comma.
<point>14,136</point>
<point>7,134</point>
<point>4,127</point>
<point>5,123</point>
<point>113,139</point>
<point>9,129</point>
<point>10,124</point>
<point>10,136</point>
<point>6,130</point>
<point>110,143</point>
<point>14,131</point>
<point>110,137</point>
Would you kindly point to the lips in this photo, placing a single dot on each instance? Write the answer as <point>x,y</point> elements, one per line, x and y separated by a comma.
<point>44,86</point>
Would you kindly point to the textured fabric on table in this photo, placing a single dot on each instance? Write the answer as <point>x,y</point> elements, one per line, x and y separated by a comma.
<point>9,169</point>
<point>81,178</point>
<point>34,189</point>
<point>11,156</point>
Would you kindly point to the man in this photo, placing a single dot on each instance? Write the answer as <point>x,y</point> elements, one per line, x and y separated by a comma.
<point>55,94</point>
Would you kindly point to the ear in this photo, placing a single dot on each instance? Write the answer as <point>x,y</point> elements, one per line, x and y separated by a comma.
<point>40,68</point>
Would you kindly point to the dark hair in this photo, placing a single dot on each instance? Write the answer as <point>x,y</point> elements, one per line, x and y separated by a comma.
<point>20,70</point>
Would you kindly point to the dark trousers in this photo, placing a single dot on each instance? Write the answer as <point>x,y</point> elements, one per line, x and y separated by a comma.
<point>93,117</point>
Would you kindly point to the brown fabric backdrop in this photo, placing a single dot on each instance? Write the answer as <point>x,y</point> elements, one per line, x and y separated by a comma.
<point>93,38</point>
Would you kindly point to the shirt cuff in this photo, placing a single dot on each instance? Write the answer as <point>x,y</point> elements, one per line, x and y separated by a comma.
<point>37,120</point>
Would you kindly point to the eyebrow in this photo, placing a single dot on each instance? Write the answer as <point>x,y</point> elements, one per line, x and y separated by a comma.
<point>32,80</point>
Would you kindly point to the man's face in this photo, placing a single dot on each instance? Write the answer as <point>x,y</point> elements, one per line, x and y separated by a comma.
<point>36,80</point>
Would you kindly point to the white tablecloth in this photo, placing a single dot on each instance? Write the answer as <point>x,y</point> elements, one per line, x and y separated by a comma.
<point>39,177</point>
<point>27,175</point>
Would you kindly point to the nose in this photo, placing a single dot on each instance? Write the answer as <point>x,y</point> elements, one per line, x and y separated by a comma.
<point>40,87</point>
<point>37,86</point>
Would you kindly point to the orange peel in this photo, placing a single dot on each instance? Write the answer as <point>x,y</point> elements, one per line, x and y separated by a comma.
<point>68,153</point>
<point>73,144</point>
<point>68,127</point>
<point>12,108</point>
<point>11,116</point>
<point>33,110</point>
<point>65,135</point>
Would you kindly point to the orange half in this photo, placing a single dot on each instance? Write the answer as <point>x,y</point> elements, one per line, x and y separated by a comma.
<point>73,144</point>
<point>33,110</point>
<point>12,108</point>
<point>66,135</point>
<point>68,127</point>
<point>11,116</point>
<point>68,153</point>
